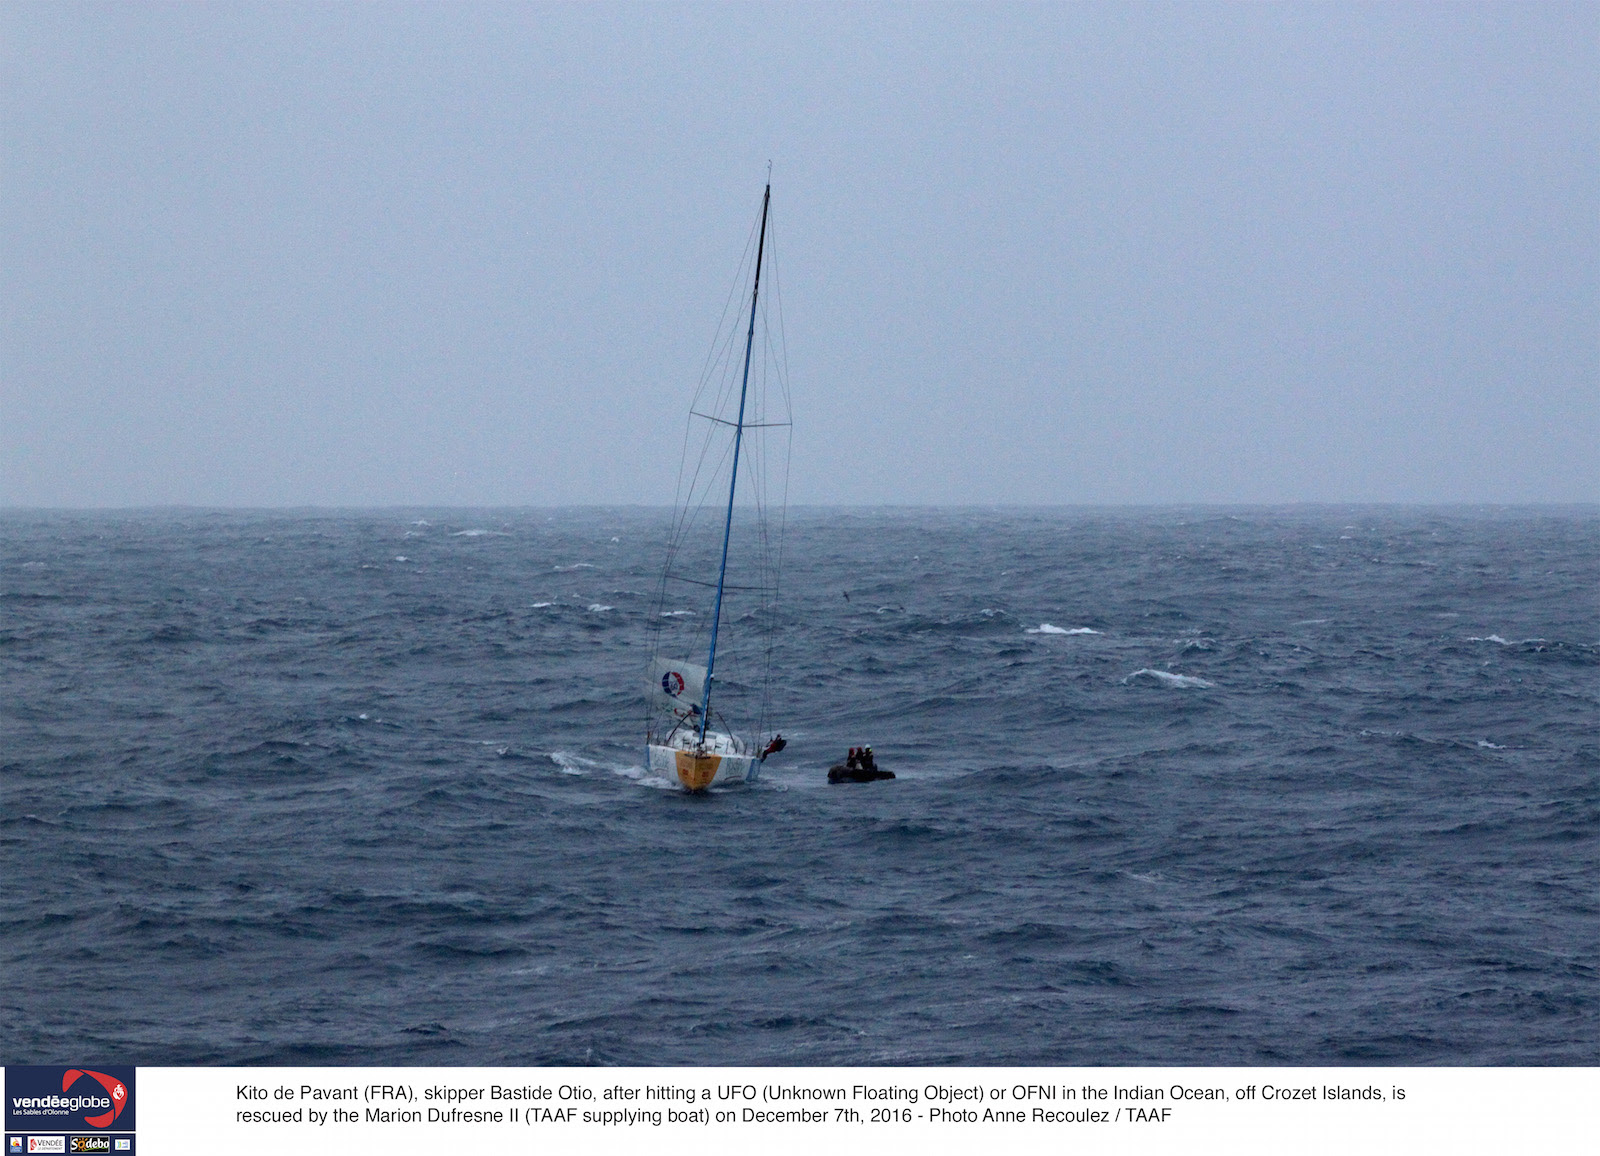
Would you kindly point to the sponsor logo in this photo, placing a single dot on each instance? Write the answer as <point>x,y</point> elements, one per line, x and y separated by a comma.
<point>115,1088</point>
<point>672,683</point>
<point>47,1143</point>
<point>67,1100</point>
<point>124,1144</point>
<point>16,1145</point>
<point>90,1144</point>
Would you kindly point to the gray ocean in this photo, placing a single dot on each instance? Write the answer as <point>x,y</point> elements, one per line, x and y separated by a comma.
<point>1174,786</point>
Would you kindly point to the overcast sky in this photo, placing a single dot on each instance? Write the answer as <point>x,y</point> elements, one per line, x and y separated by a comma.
<point>352,254</point>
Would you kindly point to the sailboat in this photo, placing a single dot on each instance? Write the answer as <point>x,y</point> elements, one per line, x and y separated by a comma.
<point>688,739</point>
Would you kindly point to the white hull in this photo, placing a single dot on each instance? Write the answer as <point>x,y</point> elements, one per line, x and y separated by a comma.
<point>720,761</point>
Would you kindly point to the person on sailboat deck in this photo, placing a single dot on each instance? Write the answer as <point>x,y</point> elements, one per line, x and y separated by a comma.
<point>777,744</point>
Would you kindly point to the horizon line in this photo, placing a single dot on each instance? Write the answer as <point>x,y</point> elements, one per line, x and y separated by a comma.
<point>1452,503</point>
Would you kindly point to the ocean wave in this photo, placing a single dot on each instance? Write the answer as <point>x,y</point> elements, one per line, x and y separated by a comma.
<point>1546,650</point>
<point>1047,628</point>
<point>471,948</point>
<point>500,834</point>
<point>1166,678</point>
<point>571,763</point>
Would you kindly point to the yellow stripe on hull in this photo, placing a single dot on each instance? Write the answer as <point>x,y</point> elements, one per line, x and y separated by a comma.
<point>697,771</point>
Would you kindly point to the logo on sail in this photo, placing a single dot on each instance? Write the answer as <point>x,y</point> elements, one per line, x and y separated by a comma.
<point>676,687</point>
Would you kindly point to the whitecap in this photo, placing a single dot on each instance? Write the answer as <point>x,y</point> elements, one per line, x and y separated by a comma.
<point>422,522</point>
<point>1311,622</point>
<point>574,566</point>
<point>572,764</point>
<point>597,607</point>
<point>401,558</point>
<point>645,777</point>
<point>480,534</point>
<point>1046,628</point>
<point>1490,638</point>
<point>539,605</point>
<point>1167,678</point>
<point>677,614</point>
<point>1488,746</point>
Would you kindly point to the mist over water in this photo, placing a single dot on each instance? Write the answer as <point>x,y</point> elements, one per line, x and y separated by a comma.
<point>1191,786</point>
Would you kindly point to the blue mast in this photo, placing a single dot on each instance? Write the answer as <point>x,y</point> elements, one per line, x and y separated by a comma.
<point>738,438</point>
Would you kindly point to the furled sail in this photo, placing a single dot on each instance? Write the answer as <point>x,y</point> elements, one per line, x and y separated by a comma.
<point>676,687</point>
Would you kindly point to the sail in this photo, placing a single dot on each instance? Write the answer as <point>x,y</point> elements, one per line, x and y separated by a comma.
<point>676,687</point>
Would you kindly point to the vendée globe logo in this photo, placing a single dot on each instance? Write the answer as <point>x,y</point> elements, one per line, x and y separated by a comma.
<point>114,1087</point>
<point>87,1097</point>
